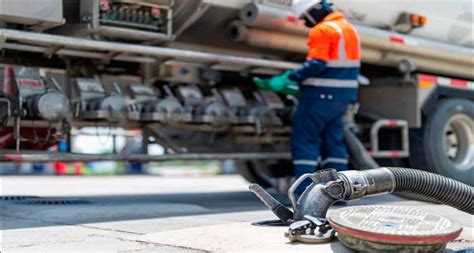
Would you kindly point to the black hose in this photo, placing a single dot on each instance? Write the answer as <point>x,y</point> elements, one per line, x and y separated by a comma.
<point>442,189</point>
<point>4,115</point>
<point>360,158</point>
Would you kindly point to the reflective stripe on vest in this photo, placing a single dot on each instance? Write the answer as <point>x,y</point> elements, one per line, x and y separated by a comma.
<point>306,162</point>
<point>333,83</point>
<point>341,63</point>
<point>342,40</point>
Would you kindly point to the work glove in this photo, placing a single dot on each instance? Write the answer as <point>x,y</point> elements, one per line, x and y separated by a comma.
<point>280,84</point>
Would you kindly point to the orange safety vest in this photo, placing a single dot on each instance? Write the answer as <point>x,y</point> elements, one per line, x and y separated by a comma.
<point>333,62</point>
<point>334,40</point>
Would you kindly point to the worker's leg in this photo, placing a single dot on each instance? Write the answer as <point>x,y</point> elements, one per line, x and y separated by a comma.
<point>306,140</point>
<point>333,151</point>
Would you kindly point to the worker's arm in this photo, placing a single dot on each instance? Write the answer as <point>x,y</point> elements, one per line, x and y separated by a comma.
<point>319,44</point>
<point>310,68</point>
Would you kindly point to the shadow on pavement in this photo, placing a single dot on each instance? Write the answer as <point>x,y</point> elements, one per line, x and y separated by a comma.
<point>110,208</point>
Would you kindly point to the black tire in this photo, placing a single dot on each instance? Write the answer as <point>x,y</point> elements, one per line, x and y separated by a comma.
<point>247,169</point>
<point>267,173</point>
<point>428,144</point>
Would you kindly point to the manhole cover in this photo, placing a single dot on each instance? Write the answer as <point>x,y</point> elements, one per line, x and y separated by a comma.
<point>53,201</point>
<point>16,198</point>
<point>391,228</point>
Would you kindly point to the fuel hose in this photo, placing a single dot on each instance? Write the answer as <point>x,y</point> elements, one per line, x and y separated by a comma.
<point>412,183</point>
<point>442,189</point>
<point>360,158</point>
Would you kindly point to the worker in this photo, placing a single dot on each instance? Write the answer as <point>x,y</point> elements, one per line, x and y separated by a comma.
<point>328,84</point>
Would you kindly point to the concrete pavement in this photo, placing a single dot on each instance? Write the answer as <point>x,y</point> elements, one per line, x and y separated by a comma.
<point>158,214</point>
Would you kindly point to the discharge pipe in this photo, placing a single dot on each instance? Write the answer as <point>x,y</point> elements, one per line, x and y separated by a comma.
<point>271,18</point>
<point>374,49</point>
<point>262,38</point>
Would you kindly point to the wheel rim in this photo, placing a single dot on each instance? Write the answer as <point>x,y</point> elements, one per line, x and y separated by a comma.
<point>459,142</point>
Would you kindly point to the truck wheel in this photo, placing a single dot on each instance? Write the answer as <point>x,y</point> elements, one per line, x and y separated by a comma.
<point>277,174</point>
<point>445,145</point>
<point>247,169</point>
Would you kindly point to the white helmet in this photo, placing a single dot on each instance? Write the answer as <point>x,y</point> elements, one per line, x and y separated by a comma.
<point>300,7</point>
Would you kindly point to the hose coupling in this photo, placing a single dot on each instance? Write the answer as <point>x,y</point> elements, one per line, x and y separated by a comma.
<point>359,184</point>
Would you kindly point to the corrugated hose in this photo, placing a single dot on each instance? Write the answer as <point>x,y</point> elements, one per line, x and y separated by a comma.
<point>416,184</point>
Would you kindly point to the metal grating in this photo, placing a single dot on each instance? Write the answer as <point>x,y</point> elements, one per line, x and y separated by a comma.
<point>277,3</point>
<point>16,197</point>
<point>269,223</point>
<point>52,202</point>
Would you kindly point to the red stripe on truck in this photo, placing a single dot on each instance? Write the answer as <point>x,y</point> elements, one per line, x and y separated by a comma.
<point>427,78</point>
<point>395,154</point>
<point>13,157</point>
<point>396,39</point>
<point>392,123</point>
<point>459,83</point>
<point>291,19</point>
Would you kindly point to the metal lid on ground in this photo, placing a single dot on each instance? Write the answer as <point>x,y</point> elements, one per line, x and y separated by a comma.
<point>382,228</point>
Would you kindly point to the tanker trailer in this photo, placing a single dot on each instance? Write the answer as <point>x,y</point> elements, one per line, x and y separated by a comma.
<point>416,95</point>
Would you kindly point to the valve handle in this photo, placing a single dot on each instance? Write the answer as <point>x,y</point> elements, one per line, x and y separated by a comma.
<point>294,186</point>
<point>117,88</point>
<point>168,91</point>
<point>283,213</point>
<point>217,96</point>
<point>56,84</point>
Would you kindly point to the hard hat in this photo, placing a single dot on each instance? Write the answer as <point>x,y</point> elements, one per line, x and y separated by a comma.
<point>300,7</point>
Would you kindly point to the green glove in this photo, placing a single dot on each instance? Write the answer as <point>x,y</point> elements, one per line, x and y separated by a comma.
<point>262,84</point>
<point>280,84</point>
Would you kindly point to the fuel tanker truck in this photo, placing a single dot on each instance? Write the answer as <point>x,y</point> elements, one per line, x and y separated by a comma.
<point>181,72</point>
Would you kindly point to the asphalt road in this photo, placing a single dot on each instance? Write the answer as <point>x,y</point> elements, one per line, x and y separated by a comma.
<point>158,214</point>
